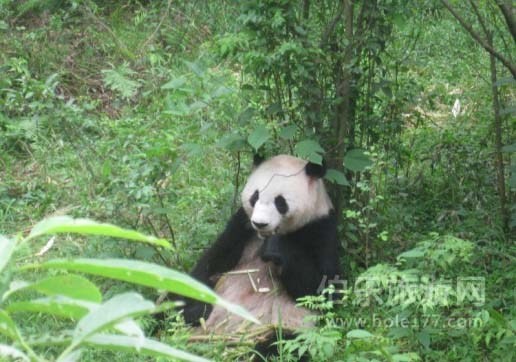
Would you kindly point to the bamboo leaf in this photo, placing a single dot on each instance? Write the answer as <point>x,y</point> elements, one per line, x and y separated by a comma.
<point>119,307</point>
<point>7,247</point>
<point>58,305</point>
<point>358,334</point>
<point>72,286</point>
<point>147,274</point>
<point>7,327</point>
<point>12,353</point>
<point>147,346</point>
<point>67,224</point>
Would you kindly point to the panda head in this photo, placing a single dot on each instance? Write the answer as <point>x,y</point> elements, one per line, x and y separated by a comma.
<point>283,194</point>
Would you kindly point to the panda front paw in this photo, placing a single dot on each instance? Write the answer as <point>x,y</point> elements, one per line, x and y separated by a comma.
<point>271,251</point>
<point>194,311</point>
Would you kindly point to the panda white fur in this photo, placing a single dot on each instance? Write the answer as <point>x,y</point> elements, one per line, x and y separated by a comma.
<point>277,247</point>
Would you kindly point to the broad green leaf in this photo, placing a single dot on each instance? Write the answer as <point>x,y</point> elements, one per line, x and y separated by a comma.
<point>72,286</point>
<point>424,338</point>
<point>337,177</point>
<point>130,328</point>
<point>147,274</point>
<point>119,307</point>
<point>288,132</point>
<point>146,346</point>
<point>7,326</point>
<point>258,137</point>
<point>358,334</point>
<point>233,142</point>
<point>509,148</point>
<point>274,108</point>
<point>12,354</point>
<point>310,150</point>
<point>221,91</point>
<point>413,253</point>
<point>399,332</point>
<point>66,224</point>
<point>197,105</point>
<point>195,68</point>
<point>72,356</point>
<point>59,306</point>
<point>356,160</point>
<point>246,115</point>
<point>176,83</point>
<point>7,248</point>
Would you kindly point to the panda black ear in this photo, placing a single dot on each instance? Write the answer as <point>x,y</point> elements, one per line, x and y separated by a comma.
<point>257,159</point>
<point>315,170</point>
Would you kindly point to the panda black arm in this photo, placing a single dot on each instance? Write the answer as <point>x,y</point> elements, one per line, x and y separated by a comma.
<point>225,253</point>
<point>221,257</point>
<point>308,255</point>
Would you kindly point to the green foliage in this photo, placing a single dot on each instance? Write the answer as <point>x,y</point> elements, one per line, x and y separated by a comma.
<point>74,297</point>
<point>119,80</point>
<point>145,115</point>
<point>356,160</point>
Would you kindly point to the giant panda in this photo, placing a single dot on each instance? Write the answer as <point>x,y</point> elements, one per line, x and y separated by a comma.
<point>280,245</point>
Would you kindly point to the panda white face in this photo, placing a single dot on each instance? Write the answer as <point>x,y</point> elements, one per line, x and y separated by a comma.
<point>280,197</point>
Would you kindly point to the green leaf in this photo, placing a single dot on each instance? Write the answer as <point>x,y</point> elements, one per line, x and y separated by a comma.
<point>288,133</point>
<point>109,313</point>
<point>405,357</point>
<point>399,332</point>
<point>337,177</point>
<point>424,338</point>
<point>146,346</point>
<point>12,354</point>
<point>147,274</point>
<point>358,334</point>
<point>507,148</point>
<point>197,105</point>
<point>274,108</point>
<point>195,68</point>
<point>176,83</point>
<point>7,248</point>
<point>119,81</point>
<point>356,160</point>
<point>245,116</point>
<point>72,356</point>
<point>58,306</point>
<point>222,91</point>
<point>72,286</point>
<point>413,253</point>
<point>67,224</point>
<point>7,326</point>
<point>233,142</point>
<point>258,137</point>
<point>310,150</point>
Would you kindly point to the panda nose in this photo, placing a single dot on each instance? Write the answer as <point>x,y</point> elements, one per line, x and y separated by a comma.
<point>260,225</point>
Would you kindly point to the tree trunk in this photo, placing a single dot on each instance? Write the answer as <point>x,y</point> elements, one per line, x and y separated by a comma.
<point>344,93</point>
<point>499,164</point>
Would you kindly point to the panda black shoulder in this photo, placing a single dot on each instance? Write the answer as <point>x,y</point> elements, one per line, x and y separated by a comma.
<point>323,229</point>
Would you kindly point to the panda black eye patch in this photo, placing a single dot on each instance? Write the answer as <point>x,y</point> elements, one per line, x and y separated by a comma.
<point>254,198</point>
<point>281,204</point>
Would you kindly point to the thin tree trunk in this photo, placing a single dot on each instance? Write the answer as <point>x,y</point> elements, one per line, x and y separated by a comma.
<point>499,164</point>
<point>343,85</point>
